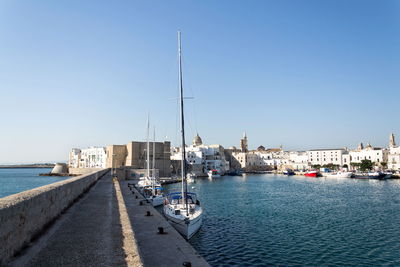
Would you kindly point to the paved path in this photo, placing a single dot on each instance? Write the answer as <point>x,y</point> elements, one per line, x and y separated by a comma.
<point>167,250</point>
<point>88,234</point>
<point>107,227</point>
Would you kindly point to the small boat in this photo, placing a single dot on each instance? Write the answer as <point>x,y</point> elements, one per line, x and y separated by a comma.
<point>191,178</point>
<point>213,174</point>
<point>313,174</point>
<point>288,172</point>
<point>377,175</point>
<point>340,175</point>
<point>388,175</point>
<point>370,175</point>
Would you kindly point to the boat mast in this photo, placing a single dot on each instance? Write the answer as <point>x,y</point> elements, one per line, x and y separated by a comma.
<point>183,165</point>
<point>154,158</point>
<point>148,148</point>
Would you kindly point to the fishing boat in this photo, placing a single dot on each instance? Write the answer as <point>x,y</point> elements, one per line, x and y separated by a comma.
<point>339,175</point>
<point>377,175</point>
<point>182,209</point>
<point>288,172</point>
<point>388,175</point>
<point>370,175</point>
<point>213,174</point>
<point>313,174</point>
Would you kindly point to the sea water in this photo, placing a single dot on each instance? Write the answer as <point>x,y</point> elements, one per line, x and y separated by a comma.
<point>16,180</point>
<point>263,220</point>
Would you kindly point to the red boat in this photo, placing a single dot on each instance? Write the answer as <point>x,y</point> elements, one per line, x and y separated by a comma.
<point>311,174</point>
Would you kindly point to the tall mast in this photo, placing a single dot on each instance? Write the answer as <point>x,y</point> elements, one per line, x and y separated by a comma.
<point>154,160</point>
<point>154,151</point>
<point>148,147</point>
<point>183,165</point>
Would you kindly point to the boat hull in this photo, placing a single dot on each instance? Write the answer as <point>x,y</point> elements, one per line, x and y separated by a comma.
<point>340,175</point>
<point>187,228</point>
<point>157,201</point>
<point>311,174</point>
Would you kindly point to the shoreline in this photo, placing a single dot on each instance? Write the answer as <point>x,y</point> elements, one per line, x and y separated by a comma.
<point>28,166</point>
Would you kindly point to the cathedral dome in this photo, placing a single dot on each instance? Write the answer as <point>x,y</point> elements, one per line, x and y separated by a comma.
<point>261,148</point>
<point>197,140</point>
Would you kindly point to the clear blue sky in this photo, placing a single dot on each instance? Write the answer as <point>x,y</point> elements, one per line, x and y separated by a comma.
<point>304,74</point>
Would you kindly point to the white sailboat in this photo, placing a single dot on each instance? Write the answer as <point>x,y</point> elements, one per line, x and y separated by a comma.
<point>182,208</point>
<point>149,185</point>
<point>156,197</point>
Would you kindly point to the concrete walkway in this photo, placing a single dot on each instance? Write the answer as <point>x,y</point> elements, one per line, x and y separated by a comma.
<point>88,234</point>
<point>169,249</point>
<point>108,227</point>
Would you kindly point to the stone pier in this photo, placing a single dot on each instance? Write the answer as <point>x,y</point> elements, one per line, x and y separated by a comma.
<point>106,226</point>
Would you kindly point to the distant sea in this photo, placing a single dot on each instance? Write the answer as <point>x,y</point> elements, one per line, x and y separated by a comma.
<point>13,181</point>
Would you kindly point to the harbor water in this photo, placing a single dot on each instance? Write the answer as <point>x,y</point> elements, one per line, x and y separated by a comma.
<point>16,180</point>
<point>262,220</point>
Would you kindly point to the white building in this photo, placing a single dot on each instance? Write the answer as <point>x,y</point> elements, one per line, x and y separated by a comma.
<point>374,154</point>
<point>262,159</point>
<point>394,155</point>
<point>394,158</point>
<point>326,156</point>
<point>298,160</point>
<point>74,158</point>
<point>203,157</point>
<point>93,157</point>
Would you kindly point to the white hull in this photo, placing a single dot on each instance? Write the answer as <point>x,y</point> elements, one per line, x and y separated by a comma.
<point>186,227</point>
<point>340,175</point>
<point>157,200</point>
<point>213,176</point>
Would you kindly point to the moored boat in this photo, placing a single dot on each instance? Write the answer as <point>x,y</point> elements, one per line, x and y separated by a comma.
<point>182,209</point>
<point>184,213</point>
<point>148,185</point>
<point>313,174</point>
<point>377,175</point>
<point>340,175</point>
<point>154,195</point>
<point>191,178</point>
<point>213,174</point>
<point>370,175</point>
<point>288,172</point>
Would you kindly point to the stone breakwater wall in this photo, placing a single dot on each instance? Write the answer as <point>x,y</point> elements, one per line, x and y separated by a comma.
<point>25,215</point>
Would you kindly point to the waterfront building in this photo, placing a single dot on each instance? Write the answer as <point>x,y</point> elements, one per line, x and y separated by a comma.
<point>133,155</point>
<point>393,155</point>
<point>74,158</point>
<point>201,158</point>
<point>327,156</point>
<point>93,157</point>
<point>298,160</point>
<point>375,154</point>
<point>236,158</point>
